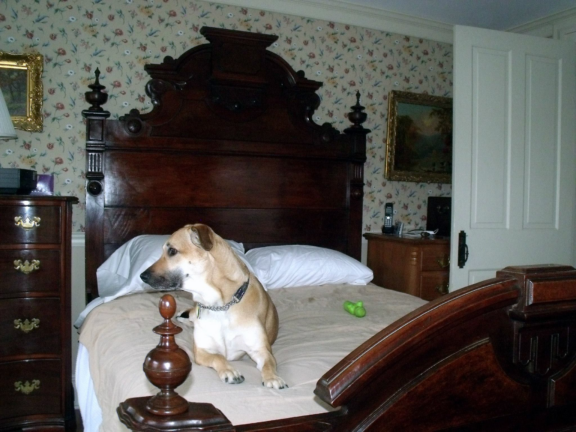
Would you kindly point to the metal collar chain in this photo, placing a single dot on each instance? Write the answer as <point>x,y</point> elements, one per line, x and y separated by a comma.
<point>238,295</point>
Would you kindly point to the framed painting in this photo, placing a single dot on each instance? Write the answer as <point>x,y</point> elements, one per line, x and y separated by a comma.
<point>419,139</point>
<point>21,84</point>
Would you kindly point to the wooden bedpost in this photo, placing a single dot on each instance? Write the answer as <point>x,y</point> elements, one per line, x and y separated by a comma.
<point>167,366</point>
<point>96,118</point>
<point>356,176</point>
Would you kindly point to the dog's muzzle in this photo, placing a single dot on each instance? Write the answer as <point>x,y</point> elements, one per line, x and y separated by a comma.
<point>161,282</point>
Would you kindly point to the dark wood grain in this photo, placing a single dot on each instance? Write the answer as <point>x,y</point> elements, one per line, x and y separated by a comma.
<point>43,339</point>
<point>46,280</point>
<point>36,360</point>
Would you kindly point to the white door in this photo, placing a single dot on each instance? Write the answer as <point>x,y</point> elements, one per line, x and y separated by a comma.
<point>514,183</point>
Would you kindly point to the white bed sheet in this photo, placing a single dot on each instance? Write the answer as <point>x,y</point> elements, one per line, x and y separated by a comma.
<point>315,333</point>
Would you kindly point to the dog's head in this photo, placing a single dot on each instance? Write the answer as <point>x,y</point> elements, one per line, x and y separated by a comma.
<point>197,260</point>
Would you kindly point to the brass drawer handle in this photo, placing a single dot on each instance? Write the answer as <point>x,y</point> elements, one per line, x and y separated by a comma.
<point>444,261</point>
<point>27,224</point>
<point>27,387</point>
<point>26,326</point>
<point>27,267</point>
<point>442,288</point>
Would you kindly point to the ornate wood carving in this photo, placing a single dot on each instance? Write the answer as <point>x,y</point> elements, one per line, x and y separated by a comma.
<point>95,125</point>
<point>544,323</point>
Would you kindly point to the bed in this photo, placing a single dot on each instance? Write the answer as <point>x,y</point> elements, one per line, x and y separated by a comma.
<point>231,142</point>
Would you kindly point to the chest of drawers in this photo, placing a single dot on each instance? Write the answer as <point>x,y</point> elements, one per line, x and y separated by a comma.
<point>35,323</point>
<point>416,266</point>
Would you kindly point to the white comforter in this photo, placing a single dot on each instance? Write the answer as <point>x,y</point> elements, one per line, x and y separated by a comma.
<point>315,333</point>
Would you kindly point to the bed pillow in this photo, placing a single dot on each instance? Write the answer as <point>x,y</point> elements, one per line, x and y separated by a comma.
<point>120,273</point>
<point>299,265</point>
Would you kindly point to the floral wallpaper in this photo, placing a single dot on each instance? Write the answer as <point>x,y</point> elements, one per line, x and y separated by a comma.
<point>121,36</point>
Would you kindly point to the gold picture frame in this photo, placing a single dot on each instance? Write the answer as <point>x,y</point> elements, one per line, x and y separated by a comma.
<point>21,83</point>
<point>419,138</point>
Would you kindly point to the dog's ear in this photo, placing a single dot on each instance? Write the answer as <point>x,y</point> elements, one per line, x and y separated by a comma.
<point>201,236</point>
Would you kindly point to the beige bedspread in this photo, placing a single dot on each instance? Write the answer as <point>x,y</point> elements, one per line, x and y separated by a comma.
<point>315,333</point>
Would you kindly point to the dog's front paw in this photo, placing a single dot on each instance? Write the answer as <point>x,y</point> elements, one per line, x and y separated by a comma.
<point>275,382</point>
<point>231,376</point>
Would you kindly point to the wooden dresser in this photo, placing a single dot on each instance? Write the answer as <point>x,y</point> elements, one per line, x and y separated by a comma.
<point>413,265</point>
<point>35,323</point>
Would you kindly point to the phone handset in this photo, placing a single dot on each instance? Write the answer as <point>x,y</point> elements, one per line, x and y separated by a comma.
<point>388,227</point>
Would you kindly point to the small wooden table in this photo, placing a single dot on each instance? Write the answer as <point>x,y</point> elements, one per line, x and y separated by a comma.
<point>417,266</point>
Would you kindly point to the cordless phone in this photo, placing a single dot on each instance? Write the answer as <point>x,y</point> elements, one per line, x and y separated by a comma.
<point>388,227</point>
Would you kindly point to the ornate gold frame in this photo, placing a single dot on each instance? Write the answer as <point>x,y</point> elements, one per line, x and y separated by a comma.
<point>392,172</point>
<point>33,65</point>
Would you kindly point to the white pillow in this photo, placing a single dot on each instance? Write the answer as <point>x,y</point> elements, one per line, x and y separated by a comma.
<point>298,265</point>
<point>120,273</point>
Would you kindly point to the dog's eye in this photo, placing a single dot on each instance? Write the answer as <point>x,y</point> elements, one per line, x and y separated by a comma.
<point>171,251</point>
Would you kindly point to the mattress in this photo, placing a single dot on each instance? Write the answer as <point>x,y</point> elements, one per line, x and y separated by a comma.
<point>315,333</point>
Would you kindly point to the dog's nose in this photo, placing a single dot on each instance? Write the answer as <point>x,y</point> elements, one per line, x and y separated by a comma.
<point>145,276</point>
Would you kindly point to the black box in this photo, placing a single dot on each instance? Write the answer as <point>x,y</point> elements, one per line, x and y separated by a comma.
<point>16,181</point>
<point>439,215</point>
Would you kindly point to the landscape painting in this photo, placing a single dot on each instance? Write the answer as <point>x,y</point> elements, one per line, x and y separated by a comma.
<point>419,144</point>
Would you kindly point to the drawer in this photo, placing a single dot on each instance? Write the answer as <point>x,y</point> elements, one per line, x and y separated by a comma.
<point>37,224</point>
<point>434,284</point>
<point>435,257</point>
<point>32,387</point>
<point>38,271</point>
<point>30,326</point>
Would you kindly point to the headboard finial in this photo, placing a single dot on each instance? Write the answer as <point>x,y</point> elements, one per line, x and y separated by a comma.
<point>96,97</point>
<point>357,116</point>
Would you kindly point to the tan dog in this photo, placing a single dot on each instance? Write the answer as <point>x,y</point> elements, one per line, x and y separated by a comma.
<point>233,315</point>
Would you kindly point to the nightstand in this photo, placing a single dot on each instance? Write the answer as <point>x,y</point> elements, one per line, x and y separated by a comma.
<point>35,317</point>
<point>416,266</point>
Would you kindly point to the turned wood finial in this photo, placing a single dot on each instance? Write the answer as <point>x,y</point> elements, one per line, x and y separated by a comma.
<point>96,97</point>
<point>357,116</point>
<point>167,366</point>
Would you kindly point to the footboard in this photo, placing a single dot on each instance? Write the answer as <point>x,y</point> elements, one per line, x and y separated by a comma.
<point>498,355</point>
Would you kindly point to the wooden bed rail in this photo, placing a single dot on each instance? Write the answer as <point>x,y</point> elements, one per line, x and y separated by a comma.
<point>497,355</point>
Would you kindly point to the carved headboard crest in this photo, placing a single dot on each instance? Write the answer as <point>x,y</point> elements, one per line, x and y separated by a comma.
<point>239,80</point>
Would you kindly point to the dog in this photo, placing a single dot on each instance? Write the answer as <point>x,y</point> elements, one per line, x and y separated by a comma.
<point>233,314</point>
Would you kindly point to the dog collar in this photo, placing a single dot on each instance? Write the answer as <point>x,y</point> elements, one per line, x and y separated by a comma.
<point>235,299</point>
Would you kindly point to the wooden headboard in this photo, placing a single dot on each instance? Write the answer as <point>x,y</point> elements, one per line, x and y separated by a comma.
<point>230,142</point>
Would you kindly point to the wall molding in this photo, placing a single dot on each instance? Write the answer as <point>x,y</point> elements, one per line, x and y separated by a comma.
<point>549,26</point>
<point>347,13</point>
<point>78,239</point>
